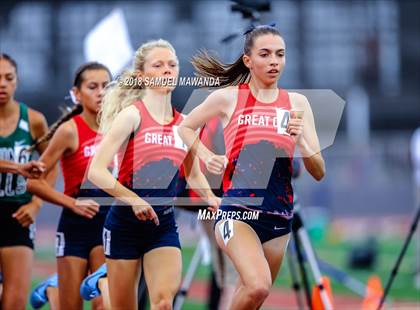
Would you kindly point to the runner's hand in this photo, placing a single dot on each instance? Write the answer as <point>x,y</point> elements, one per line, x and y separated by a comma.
<point>86,208</point>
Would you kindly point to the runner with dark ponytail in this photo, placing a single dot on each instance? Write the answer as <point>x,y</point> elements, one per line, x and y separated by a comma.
<point>236,73</point>
<point>79,234</point>
<point>262,126</point>
<point>77,109</point>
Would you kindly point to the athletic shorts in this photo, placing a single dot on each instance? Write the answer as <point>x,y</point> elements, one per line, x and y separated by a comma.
<point>267,226</point>
<point>77,235</point>
<point>12,233</point>
<point>126,237</point>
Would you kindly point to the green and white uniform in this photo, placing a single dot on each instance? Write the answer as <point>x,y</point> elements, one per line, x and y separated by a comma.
<point>13,192</point>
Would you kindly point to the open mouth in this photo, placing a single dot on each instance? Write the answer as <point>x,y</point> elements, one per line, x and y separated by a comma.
<point>273,71</point>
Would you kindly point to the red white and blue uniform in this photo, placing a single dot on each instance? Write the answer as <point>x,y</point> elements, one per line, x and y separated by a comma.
<point>260,154</point>
<point>77,235</point>
<point>150,166</point>
<point>211,135</point>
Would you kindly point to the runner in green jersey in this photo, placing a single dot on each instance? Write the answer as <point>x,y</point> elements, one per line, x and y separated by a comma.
<point>19,128</point>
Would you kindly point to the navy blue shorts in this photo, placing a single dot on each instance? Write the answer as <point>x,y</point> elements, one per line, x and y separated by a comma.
<point>126,237</point>
<point>12,233</point>
<point>267,226</point>
<point>77,235</point>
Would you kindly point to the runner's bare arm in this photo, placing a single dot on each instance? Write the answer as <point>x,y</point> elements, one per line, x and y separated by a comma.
<point>308,143</point>
<point>215,105</point>
<point>198,182</point>
<point>123,125</point>
<point>64,141</point>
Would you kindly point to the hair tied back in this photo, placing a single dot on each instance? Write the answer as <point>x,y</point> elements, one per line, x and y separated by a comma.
<point>252,27</point>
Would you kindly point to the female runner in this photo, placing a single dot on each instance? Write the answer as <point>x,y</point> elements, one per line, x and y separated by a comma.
<point>262,125</point>
<point>20,126</point>
<point>79,234</point>
<point>142,234</point>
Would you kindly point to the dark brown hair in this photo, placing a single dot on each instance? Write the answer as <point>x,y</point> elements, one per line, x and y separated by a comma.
<point>93,65</point>
<point>77,109</point>
<point>9,59</point>
<point>235,73</point>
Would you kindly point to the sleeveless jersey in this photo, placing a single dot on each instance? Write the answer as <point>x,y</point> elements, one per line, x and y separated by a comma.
<point>75,166</point>
<point>260,153</point>
<point>153,159</point>
<point>13,148</point>
<point>211,135</point>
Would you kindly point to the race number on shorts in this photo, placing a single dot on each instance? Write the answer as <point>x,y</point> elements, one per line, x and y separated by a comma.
<point>226,230</point>
<point>60,244</point>
<point>106,238</point>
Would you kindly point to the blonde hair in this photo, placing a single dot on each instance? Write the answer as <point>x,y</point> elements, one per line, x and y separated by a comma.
<point>126,89</point>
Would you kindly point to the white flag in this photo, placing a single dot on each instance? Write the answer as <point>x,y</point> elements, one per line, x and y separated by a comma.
<point>415,155</point>
<point>109,43</point>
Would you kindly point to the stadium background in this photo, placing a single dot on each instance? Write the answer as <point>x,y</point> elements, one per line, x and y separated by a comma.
<point>367,52</point>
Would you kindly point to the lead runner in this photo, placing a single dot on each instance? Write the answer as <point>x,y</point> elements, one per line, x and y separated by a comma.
<point>261,131</point>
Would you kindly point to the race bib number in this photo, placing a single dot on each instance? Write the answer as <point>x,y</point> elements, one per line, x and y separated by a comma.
<point>282,120</point>
<point>226,230</point>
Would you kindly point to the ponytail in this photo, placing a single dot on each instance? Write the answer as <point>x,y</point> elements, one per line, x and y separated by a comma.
<point>207,65</point>
<point>76,110</point>
<point>235,73</point>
